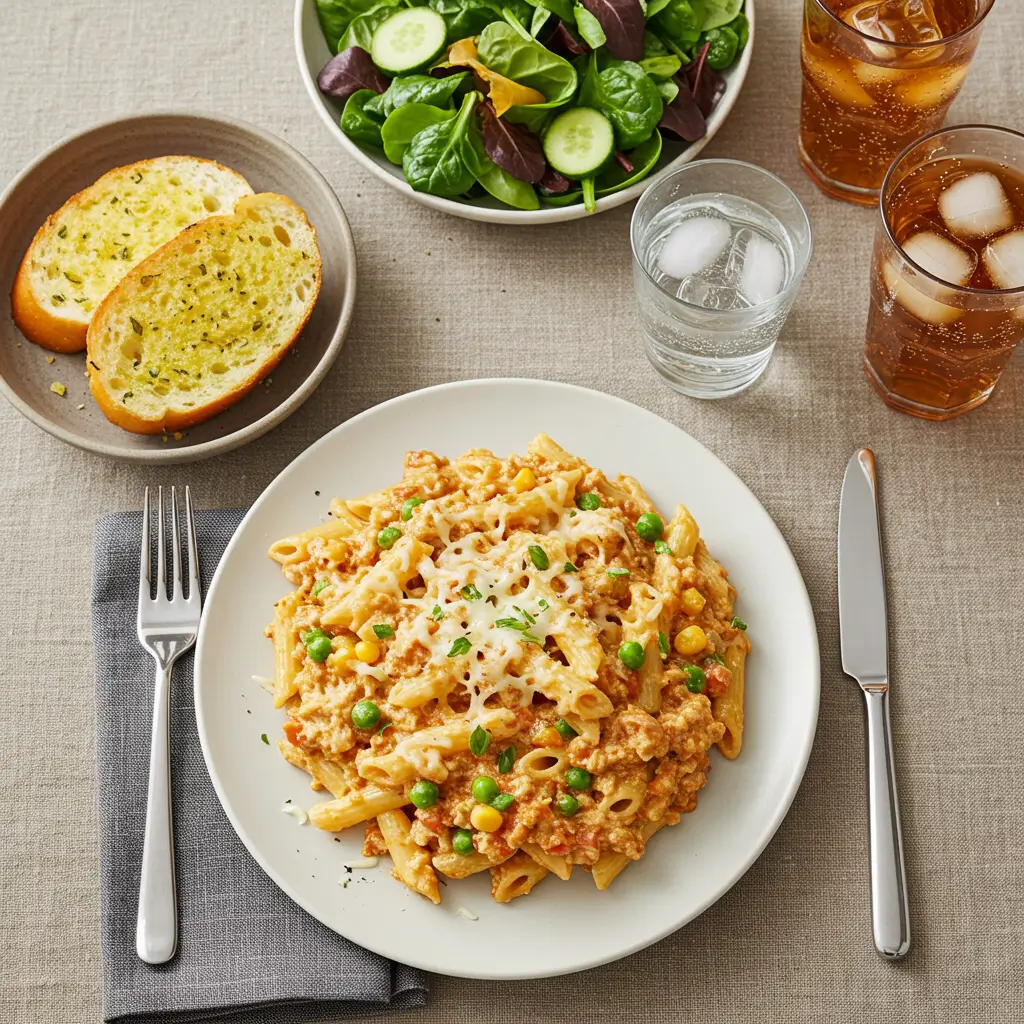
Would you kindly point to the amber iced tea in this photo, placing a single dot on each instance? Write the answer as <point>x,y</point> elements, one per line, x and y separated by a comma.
<point>876,76</point>
<point>937,341</point>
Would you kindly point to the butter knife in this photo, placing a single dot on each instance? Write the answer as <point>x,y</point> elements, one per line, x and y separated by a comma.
<point>864,643</point>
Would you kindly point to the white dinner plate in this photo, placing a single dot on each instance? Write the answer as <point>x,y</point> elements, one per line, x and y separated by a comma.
<point>561,926</point>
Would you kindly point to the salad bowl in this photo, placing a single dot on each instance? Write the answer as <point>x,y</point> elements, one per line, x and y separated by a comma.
<point>313,54</point>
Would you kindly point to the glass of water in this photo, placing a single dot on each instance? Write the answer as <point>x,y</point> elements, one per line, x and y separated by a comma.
<point>719,250</point>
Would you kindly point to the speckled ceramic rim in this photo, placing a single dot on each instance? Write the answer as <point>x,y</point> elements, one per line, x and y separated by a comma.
<point>250,432</point>
<point>545,215</point>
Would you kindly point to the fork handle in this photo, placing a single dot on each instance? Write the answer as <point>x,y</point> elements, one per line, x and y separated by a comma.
<point>156,930</point>
<point>890,913</point>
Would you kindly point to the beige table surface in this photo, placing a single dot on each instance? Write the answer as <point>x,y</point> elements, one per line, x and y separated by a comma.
<point>791,942</point>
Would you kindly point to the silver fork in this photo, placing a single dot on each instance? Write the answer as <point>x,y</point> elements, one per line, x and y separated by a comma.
<point>167,628</point>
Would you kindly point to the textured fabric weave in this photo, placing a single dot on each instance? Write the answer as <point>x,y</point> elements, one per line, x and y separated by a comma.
<point>246,953</point>
<point>791,942</point>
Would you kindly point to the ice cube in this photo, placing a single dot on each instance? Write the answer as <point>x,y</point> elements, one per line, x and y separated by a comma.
<point>942,258</point>
<point>835,78</point>
<point>709,296</point>
<point>1004,260</point>
<point>976,206</point>
<point>693,245</point>
<point>764,270</point>
<point>878,75</point>
<point>932,87</point>
<point>896,21</point>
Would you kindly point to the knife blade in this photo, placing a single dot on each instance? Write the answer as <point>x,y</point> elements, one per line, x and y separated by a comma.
<point>865,655</point>
<point>862,607</point>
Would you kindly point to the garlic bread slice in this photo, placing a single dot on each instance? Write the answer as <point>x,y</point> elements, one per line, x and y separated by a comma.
<point>204,319</point>
<point>99,234</point>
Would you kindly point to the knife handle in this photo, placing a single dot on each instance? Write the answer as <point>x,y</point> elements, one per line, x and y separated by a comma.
<point>890,914</point>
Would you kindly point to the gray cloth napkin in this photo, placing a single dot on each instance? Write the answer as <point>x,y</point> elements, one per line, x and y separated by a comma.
<point>245,951</point>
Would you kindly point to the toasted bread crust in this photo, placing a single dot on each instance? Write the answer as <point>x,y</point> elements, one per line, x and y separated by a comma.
<point>121,416</point>
<point>39,325</point>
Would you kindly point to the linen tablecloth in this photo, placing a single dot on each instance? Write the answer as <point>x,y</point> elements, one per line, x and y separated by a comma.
<point>442,298</point>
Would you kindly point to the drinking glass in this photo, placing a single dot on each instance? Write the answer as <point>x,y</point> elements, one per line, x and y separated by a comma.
<point>719,250</point>
<point>947,276</point>
<point>876,76</point>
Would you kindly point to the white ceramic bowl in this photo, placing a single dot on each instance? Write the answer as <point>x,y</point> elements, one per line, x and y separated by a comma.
<point>313,53</point>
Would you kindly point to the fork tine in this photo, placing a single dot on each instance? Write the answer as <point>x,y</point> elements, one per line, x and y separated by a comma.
<point>161,562</point>
<point>176,593</point>
<point>144,585</point>
<point>194,588</point>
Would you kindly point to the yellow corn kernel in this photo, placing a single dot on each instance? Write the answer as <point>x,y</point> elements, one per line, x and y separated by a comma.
<point>524,480</point>
<point>485,819</point>
<point>367,651</point>
<point>693,601</point>
<point>691,640</point>
<point>341,651</point>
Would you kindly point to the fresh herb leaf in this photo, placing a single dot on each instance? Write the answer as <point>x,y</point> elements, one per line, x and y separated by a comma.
<point>320,585</point>
<point>470,593</point>
<point>479,741</point>
<point>661,547</point>
<point>437,615</point>
<point>386,725</point>
<point>525,614</point>
<point>263,736</point>
<point>738,623</point>
<point>531,639</point>
<point>62,232</point>
<point>510,624</point>
<point>617,573</point>
<point>136,326</point>
<point>506,759</point>
<point>461,645</point>
<point>538,556</point>
<point>716,658</point>
<point>569,567</point>
<point>382,630</point>
<point>663,643</point>
<point>503,801</point>
<point>543,605</point>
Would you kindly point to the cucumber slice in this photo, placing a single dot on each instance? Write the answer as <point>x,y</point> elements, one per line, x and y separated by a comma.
<point>410,39</point>
<point>579,142</point>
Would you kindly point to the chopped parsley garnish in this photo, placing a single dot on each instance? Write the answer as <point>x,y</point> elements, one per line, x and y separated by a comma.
<point>470,593</point>
<point>663,643</point>
<point>510,624</point>
<point>320,585</point>
<point>617,573</point>
<point>506,759</point>
<point>461,645</point>
<point>538,556</point>
<point>543,605</point>
<point>479,741</point>
<point>503,801</point>
<point>569,567</point>
<point>526,615</point>
<point>386,725</point>
<point>382,630</point>
<point>437,615</point>
<point>661,547</point>
<point>737,623</point>
<point>263,736</point>
<point>716,659</point>
<point>136,326</point>
<point>531,639</point>
<point>62,231</point>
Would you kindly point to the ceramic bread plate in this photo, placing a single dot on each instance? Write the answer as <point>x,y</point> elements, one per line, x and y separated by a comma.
<point>28,373</point>
<point>313,53</point>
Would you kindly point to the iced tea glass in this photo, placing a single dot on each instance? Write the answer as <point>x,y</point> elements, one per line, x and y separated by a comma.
<point>876,76</point>
<point>947,277</point>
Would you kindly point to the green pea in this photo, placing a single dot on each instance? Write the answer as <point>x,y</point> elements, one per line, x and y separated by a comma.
<point>588,502</point>
<point>424,793</point>
<point>485,789</point>
<point>696,681</point>
<point>462,842</point>
<point>319,647</point>
<point>538,556</point>
<point>650,527</point>
<point>568,804</point>
<point>724,44</point>
<point>631,654</point>
<point>365,714</point>
<point>407,506</point>
<point>565,730</point>
<point>577,778</point>
<point>387,537</point>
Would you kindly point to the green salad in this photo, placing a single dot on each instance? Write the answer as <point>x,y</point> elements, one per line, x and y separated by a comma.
<point>532,102</point>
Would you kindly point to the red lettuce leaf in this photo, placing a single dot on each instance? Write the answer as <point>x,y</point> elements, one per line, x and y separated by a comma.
<point>348,72</point>
<point>682,117</point>
<point>553,183</point>
<point>513,147</point>
<point>706,84</point>
<point>561,41</point>
<point>623,25</point>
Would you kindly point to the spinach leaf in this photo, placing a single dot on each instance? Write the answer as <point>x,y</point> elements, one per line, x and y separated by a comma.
<point>496,180</point>
<point>561,8</point>
<point>435,92</point>
<point>539,20</point>
<point>529,63</point>
<point>589,27</point>
<point>360,30</point>
<point>352,69</point>
<point>626,96</point>
<point>741,26</point>
<point>623,24</point>
<point>719,12</point>
<point>668,91</point>
<point>614,178</point>
<point>335,16</point>
<point>653,46</point>
<point>405,123</point>
<point>356,123</point>
<point>678,25</point>
<point>661,67</point>
<point>434,160</point>
<point>465,18</point>
<point>511,19</point>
